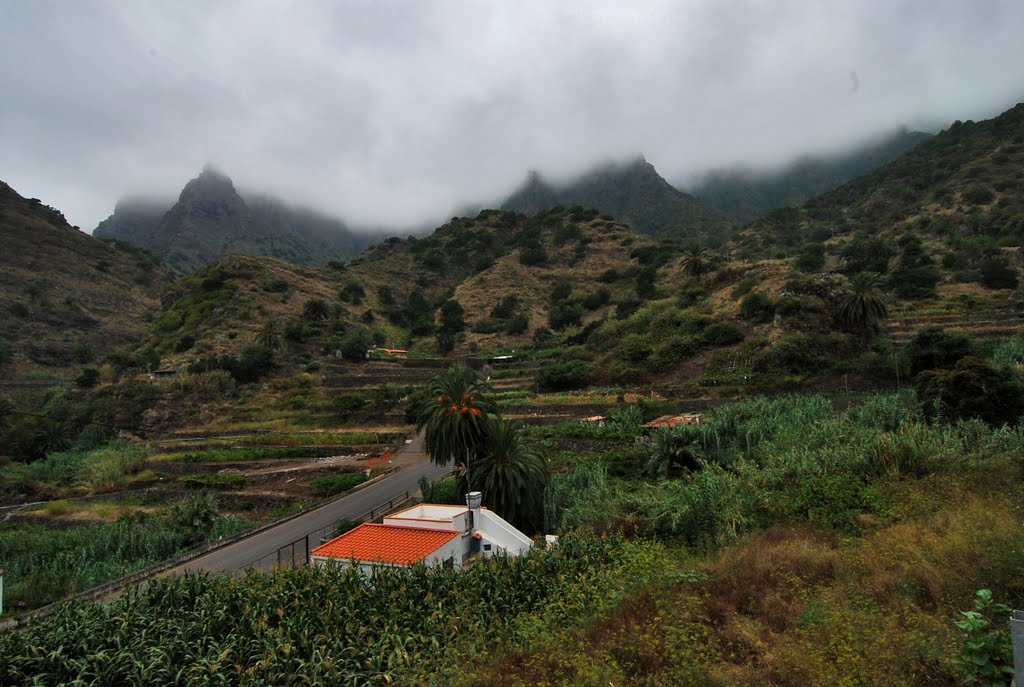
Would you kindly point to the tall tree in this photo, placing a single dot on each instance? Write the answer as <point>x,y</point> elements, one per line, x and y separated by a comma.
<point>862,307</point>
<point>512,475</point>
<point>455,413</point>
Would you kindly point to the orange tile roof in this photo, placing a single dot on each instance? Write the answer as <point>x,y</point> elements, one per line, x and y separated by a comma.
<point>385,544</point>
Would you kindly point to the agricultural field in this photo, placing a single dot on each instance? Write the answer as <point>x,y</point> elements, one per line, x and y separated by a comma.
<point>792,540</point>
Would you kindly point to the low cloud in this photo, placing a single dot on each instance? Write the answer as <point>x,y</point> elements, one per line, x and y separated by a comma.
<point>396,113</point>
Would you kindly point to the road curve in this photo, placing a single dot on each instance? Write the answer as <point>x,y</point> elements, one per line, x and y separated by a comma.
<point>413,463</point>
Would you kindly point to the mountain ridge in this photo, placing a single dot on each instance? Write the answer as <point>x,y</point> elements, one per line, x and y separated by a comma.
<point>211,219</point>
<point>632,192</point>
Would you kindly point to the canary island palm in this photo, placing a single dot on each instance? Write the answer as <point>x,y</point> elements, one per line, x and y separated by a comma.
<point>512,475</point>
<point>455,413</point>
<point>861,308</point>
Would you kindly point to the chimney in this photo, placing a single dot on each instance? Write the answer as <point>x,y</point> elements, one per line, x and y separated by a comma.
<point>474,500</point>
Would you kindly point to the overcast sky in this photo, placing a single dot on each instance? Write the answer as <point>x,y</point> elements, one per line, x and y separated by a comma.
<point>396,113</point>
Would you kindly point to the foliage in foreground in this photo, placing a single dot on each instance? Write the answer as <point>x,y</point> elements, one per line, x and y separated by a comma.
<point>45,564</point>
<point>317,625</point>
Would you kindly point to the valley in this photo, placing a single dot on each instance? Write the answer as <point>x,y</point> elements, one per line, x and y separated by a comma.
<point>845,483</point>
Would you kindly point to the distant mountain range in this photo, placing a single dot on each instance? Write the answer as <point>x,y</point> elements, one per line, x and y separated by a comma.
<point>212,219</point>
<point>744,194</point>
<point>633,193</point>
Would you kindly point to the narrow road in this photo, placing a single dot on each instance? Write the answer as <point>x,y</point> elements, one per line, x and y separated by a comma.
<point>413,463</point>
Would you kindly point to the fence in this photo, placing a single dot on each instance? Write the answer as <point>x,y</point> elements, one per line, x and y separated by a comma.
<point>297,553</point>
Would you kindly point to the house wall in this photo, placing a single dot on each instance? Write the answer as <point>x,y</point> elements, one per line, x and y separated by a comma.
<point>498,532</point>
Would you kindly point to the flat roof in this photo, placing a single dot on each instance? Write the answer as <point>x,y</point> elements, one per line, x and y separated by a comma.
<point>385,544</point>
<point>429,511</point>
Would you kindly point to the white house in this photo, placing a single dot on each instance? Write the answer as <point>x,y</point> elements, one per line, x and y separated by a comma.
<point>428,533</point>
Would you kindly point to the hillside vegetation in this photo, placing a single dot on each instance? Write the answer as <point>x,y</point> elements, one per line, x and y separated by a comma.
<point>746,194</point>
<point>66,298</point>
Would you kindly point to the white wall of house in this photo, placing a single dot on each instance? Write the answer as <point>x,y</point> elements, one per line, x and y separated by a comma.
<point>500,534</point>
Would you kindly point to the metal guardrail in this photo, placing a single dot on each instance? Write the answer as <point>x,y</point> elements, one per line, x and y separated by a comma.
<point>297,553</point>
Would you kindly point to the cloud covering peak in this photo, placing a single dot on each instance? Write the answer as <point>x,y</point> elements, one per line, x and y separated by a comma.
<point>396,112</point>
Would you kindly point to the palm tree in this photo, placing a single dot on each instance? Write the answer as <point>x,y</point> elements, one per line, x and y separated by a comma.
<point>512,474</point>
<point>861,308</point>
<point>315,310</point>
<point>676,447</point>
<point>696,261</point>
<point>455,412</point>
<point>269,335</point>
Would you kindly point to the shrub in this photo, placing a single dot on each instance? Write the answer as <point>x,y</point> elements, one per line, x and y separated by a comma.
<point>345,405</point>
<point>722,334</point>
<point>596,299</point>
<point>757,307</point>
<point>997,273</point>
<point>88,379</point>
<point>193,515</point>
<point>335,484</point>
<point>977,194</point>
<point>573,374</point>
<point>533,256</point>
<point>973,388</point>
<point>933,348</point>
<point>986,657</point>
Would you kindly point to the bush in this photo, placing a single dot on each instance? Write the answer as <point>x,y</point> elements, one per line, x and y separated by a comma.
<point>517,324</point>
<point>933,348</point>
<point>757,307</point>
<point>574,374</point>
<point>193,516</point>
<point>596,299</point>
<point>335,484</point>
<point>978,194</point>
<point>972,389</point>
<point>722,334</point>
<point>88,379</point>
<point>533,256</point>
<point>997,273</point>
<point>345,405</point>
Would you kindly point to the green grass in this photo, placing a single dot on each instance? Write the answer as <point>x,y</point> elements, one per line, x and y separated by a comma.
<point>240,454</point>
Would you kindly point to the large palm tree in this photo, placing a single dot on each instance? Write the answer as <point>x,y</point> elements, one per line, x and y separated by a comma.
<point>862,307</point>
<point>512,474</point>
<point>269,335</point>
<point>696,261</point>
<point>455,412</point>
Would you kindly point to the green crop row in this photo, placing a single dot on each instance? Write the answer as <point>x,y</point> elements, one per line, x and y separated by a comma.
<point>323,625</point>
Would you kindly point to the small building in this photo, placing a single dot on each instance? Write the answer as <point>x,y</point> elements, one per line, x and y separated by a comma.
<point>598,420</point>
<point>666,421</point>
<point>428,533</point>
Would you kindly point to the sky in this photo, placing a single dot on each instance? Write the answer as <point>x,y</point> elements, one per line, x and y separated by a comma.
<point>396,113</point>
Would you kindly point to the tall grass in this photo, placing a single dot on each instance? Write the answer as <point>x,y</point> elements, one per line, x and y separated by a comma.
<point>108,465</point>
<point>44,565</point>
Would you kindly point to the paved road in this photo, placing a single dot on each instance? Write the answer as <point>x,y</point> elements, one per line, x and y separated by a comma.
<point>413,463</point>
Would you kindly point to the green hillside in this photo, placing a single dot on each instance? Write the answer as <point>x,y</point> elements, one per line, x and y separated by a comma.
<point>747,194</point>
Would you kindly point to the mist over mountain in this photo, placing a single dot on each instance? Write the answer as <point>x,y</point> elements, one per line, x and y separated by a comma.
<point>746,194</point>
<point>211,218</point>
<point>631,192</point>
